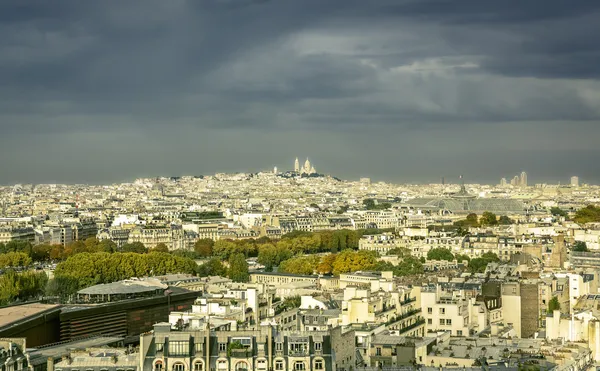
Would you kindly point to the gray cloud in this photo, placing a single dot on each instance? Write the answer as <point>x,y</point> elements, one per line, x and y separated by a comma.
<point>246,83</point>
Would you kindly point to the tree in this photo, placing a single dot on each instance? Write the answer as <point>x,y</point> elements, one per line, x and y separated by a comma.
<point>553,304</point>
<point>589,214</point>
<point>204,247</point>
<point>557,211</point>
<point>505,220</point>
<point>238,268</point>
<point>461,257</point>
<point>21,286</point>
<point>580,246</point>
<point>95,268</point>
<point>225,248</point>
<point>478,265</point>
<point>14,259</point>
<point>305,265</point>
<point>472,219</point>
<point>352,261</point>
<point>213,267</point>
<point>488,219</point>
<point>161,247</point>
<point>106,246</point>
<point>440,253</point>
<point>136,247</point>
<point>41,252</point>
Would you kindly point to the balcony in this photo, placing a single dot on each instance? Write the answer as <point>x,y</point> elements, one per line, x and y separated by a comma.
<point>298,353</point>
<point>408,301</point>
<point>240,353</point>
<point>420,322</point>
<point>410,313</point>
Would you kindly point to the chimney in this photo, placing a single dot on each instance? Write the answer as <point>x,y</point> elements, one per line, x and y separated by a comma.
<point>50,364</point>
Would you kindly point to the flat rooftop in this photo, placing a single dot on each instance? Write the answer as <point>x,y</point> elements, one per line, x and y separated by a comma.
<point>40,355</point>
<point>9,315</point>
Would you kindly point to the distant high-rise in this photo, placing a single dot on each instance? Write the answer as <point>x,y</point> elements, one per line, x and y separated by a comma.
<point>503,182</point>
<point>574,181</point>
<point>523,180</point>
<point>515,181</point>
<point>275,170</point>
<point>297,165</point>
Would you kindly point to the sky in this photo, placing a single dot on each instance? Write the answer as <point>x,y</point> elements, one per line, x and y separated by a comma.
<point>404,91</point>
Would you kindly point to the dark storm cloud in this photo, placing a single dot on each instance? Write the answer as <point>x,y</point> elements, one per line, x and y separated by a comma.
<point>102,73</point>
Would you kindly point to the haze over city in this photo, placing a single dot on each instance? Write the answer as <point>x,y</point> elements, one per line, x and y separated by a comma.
<point>396,90</point>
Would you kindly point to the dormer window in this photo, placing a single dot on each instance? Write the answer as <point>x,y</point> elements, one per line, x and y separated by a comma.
<point>318,347</point>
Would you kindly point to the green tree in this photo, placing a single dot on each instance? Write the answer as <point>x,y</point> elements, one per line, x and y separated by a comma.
<point>204,247</point>
<point>14,259</point>
<point>21,286</point>
<point>478,265</point>
<point>505,220</point>
<point>580,246</point>
<point>238,268</point>
<point>161,247</point>
<point>106,246</point>
<point>472,220</point>
<point>62,286</point>
<point>440,253</point>
<point>488,218</point>
<point>41,252</point>
<point>213,267</point>
<point>553,304</point>
<point>136,247</point>
<point>589,214</point>
<point>557,211</point>
<point>305,265</point>
<point>461,257</point>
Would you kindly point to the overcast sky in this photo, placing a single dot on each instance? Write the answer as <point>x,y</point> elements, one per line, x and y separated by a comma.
<point>397,90</point>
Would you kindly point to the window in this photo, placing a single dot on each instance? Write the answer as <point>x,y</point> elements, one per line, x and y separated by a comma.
<point>378,351</point>
<point>199,347</point>
<point>261,364</point>
<point>449,322</point>
<point>430,310</point>
<point>279,365</point>
<point>179,348</point>
<point>442,322</point>
<point>458,332</point>
<point>222,364</point>
<point>442,310</point>
<point>279,347</point>
<point>178,367</point>
<point>319,364</point>
<point>222,347</point>
<point>299,366</point>
<point>198,366</point>
<point>160,347</point>
<point>318,347</point>
<point>158,366</point>
<point>429,321</point>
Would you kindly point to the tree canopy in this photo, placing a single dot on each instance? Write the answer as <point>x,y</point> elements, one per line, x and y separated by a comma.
<point>212,267</point>
<point>488,219</point>
<point>553,304</point>
<point>580,246</point>
<point>557,211</point>
<point>238,268</point>
<point>94,268</point>
<point>478,265</point>
<point>589,214</point>
<point>440,253</point>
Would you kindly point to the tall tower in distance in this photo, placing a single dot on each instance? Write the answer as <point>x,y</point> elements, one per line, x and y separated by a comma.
<point>523,180</point>
<point>297,165</point>
<point>574,181</point>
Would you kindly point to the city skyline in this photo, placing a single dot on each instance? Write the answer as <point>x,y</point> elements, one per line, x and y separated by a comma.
<point>394,90</point>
